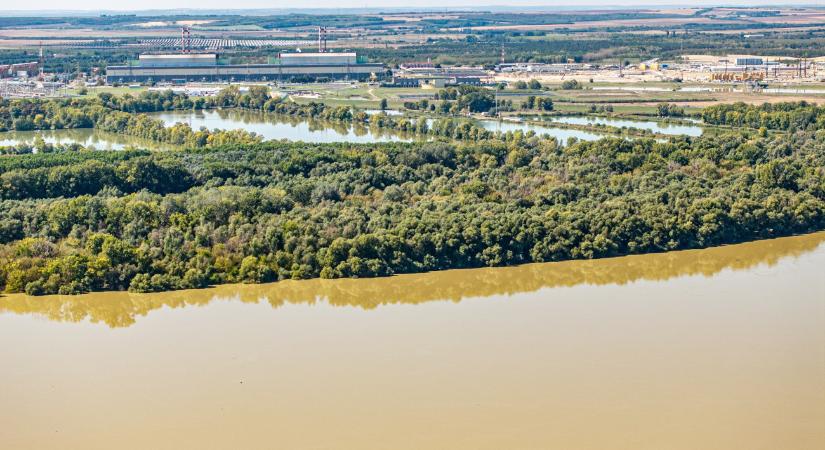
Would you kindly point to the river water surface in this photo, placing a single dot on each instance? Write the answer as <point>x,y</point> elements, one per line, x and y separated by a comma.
<point>721,348</point>
<point>561,134</point>
<point>87,137</point>
<point>275,126</point>
<point>270,126</point>
<point>651,125</point>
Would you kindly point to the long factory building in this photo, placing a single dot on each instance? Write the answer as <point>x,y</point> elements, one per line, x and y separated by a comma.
<point>206,67</point>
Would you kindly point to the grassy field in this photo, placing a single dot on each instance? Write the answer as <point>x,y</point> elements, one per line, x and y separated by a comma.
<point>115,90</point>
<point>625,98</point>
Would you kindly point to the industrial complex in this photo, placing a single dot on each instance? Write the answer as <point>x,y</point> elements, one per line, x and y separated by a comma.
<point>428,75</point>
<point>207,67</point>
<point>18,70</point>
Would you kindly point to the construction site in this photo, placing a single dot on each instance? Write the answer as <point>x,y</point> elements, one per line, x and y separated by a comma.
<point>689,68</point>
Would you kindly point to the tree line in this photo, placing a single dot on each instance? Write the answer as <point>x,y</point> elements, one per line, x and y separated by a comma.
<point>786,116</point>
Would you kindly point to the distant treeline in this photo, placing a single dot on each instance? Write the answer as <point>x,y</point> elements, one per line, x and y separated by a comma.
<point>602,46</point>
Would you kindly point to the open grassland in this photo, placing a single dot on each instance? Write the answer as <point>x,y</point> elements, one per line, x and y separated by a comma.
<point>624,97</point>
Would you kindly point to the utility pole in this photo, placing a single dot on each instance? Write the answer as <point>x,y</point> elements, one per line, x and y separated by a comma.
<point>502,52</point>
<point>41,61</point>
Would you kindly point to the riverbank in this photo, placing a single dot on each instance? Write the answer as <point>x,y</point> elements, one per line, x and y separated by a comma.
<point>123,309</point>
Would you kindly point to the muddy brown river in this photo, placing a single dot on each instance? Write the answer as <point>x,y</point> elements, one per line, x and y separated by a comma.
<point>721,348</point>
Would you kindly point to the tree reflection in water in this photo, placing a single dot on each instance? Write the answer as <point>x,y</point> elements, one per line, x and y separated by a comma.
<point>121,309</point>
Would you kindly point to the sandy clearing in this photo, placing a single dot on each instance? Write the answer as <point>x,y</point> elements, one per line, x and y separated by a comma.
<point>816,18</point>
<point>605,23</point>
<point>680,11</point>
<point>190,23</point>
<point>157,24</point>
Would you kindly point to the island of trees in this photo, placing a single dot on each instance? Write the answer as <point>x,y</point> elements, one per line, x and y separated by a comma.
<point>228,207</point>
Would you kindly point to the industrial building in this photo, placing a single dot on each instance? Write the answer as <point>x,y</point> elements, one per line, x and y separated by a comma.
<point>435,81</point>
<point>208,67</point>
<point>542,68</point>
<point>427,75</point>
<point>749,61</point>
<point>20,70</point>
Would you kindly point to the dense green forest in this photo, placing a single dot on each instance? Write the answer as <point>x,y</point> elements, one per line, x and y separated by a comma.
<point>74,221</point>
<point>772,116</point>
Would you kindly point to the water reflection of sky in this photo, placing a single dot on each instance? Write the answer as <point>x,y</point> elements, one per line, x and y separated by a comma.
<point>657,127</point>
<point>271,126</point>
<point>120,309</point>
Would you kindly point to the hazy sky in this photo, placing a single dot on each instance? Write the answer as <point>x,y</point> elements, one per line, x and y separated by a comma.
<point>240,4</point>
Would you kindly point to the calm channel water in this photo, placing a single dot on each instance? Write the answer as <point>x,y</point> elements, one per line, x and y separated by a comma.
<point>656,127</point>
<point>710,349</point>
<point>87,137</point>
<point>561,134</point>
<point>273,126</point>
